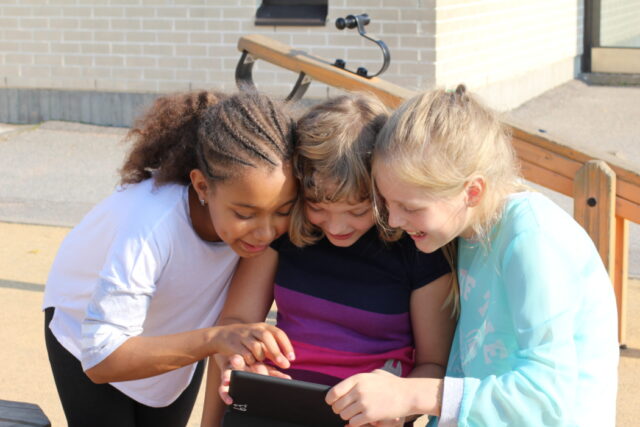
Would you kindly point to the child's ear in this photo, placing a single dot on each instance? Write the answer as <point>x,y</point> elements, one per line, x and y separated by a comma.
<point>475,191</point>
<point>199,183</point>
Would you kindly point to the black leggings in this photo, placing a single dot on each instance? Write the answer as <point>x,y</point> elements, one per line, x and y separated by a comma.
<point>88,404</point>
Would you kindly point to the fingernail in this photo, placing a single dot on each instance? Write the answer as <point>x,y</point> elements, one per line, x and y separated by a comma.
<point>291,356</point>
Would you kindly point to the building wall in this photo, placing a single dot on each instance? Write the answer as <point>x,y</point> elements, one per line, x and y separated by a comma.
<point>509,51</point>
<point>620,23</point>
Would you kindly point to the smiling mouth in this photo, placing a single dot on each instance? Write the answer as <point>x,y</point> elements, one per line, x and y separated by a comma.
<point>252,248</point>
<point>341,236</point>
<point>416,234</point>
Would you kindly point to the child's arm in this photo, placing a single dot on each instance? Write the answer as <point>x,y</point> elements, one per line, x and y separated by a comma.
<point>249,300</point>
<point>366,398</point>
<point>143,357</point>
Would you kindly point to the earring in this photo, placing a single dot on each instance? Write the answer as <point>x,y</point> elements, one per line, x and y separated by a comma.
<point>202,202</point>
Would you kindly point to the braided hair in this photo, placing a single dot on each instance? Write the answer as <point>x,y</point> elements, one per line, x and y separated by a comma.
<point>217,133</point>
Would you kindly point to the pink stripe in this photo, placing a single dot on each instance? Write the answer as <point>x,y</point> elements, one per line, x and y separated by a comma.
<point>342,364</point>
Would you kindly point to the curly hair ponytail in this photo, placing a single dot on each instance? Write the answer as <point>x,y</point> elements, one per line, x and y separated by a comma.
<point>165,138</point>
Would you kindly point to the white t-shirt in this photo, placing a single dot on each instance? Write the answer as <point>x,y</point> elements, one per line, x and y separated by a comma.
<point>135,266</point>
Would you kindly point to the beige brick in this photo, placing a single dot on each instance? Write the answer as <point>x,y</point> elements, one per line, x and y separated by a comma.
<point>77,12</point>
<point>161,50</point>
<point>109,12</point>
<point>35,72</point>
<point>96,73</point>
<point>77,60</point>
<point>224,26</point>
<point>231,38</point>
<point>8,70</point>
<point>140,37</point>
<point>172,37</point>
<point>238,13</point>
<point>190,25</point>
<point>108,36</point>
<point>172,12</point>
<point>173,62</point>
<point>7,22</point>
<point>6,47</point>
<point>109,61</point>
<point>94,24</point>
<point>139,12</point>
<point>77,36</point>
<point>191,50</point>
<point>390,14</point>
<point>62,47</point>
<point>400,28</point>
<point>310,39</point>
<point>205,64</point>
<point>35,48</point>
<point>126,49</point>
<point>17,35</point>
<point>64,23</point>
<point>47,35</point>
<point>205,12</point>
<point>140,62</point>
<point>18,58</point>
<point>95,48</point>
<point>415,69</point>
<point>16,11</point>
<point>157,24</point>
<point>126,73</point>
<point>416,41</point>
<point>205,37</point>
<point>125,24</point>
<point>191,75</point>
<point>32,23</point>
<point>47,11</point>
<point>421,14</point>
<point>67,72</point>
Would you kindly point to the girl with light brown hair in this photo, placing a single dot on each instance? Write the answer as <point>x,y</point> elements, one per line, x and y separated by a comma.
<point>351,297</point>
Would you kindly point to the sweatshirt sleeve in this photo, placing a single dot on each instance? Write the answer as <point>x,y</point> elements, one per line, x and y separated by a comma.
<point>119,305</point>
<point>542,288</point>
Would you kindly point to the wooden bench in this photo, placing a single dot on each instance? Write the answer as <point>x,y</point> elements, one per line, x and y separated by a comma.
<point>606,193</point>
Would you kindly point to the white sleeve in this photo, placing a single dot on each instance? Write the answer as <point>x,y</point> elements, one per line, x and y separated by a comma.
<point>118,307</point>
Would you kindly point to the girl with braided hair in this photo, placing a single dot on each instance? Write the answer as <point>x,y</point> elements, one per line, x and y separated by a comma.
<point>138,284</point>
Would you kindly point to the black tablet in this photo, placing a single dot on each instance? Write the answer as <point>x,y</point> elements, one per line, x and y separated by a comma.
<point>260,400</point>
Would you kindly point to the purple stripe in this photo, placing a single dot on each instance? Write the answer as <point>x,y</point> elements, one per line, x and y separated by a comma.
<point>324,323</point>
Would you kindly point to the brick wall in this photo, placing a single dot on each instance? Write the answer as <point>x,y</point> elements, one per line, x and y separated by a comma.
<point>160,46</point>
<point>507,50</point>
<point>620,23</point>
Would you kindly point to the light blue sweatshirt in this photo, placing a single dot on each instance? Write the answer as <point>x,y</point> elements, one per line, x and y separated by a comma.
<point>536,343</point>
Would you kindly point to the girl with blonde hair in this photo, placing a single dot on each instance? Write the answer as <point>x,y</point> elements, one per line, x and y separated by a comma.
<point>536,340</point>
<point>350,298</point>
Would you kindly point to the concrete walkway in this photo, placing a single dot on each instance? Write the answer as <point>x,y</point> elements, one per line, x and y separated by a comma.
<point>51,175</point>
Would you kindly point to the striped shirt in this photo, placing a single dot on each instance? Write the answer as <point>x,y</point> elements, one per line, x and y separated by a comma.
<point>346,310</point>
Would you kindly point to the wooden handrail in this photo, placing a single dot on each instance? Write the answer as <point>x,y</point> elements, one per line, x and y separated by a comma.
<point>545,162</point>
<point>552,164</point>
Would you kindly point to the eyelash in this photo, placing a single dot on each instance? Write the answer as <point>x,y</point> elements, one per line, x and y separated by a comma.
<point>242,216</point>
<point>357,215</point>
